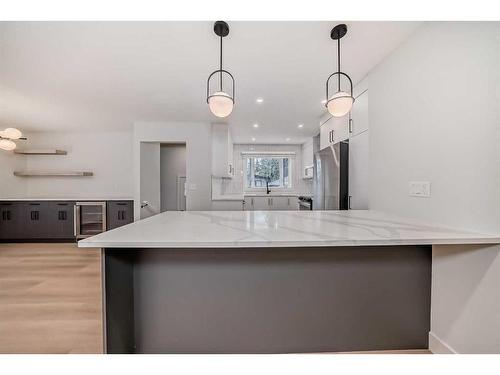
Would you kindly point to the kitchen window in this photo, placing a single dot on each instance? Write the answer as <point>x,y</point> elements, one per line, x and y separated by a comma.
<point>274,170</point>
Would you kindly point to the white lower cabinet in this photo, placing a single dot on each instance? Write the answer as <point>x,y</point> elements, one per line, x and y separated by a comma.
<point>267,203</point>
<point>227,205</point>
<point>257,203</point>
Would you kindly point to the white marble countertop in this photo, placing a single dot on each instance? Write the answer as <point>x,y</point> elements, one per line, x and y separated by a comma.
<point>229,197</point>
<point>229,229</point>
<point>242,196</point>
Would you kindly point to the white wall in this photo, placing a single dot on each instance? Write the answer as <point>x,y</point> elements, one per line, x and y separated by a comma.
<point>150,193</point>
<point>198,139</point>
<point>107,154</point>
<point>172,165</point>
<point>434,116</point>
<point>10,185</point>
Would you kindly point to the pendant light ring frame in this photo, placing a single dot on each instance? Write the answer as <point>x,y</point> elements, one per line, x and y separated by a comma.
<point>220,72</point>
<point>328,99</point>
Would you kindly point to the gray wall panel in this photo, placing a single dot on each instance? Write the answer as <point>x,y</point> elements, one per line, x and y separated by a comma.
<point>281,300</point>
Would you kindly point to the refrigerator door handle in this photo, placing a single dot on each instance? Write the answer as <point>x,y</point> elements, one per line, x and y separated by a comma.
<point>349,202</point>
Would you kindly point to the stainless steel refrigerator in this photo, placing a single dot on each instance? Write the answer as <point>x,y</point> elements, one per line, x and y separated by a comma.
<point>331,176</point>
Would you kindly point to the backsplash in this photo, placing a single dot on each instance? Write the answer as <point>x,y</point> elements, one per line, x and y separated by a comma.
<point>235,185</point>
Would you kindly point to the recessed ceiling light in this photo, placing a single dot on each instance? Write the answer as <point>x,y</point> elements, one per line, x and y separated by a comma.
<point>255,125</point>
<point>288,139</point>
<point>259,100</point>
<point>253,139</point>
<point>301,126</point>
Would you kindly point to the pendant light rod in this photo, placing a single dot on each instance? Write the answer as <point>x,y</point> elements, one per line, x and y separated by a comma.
<point>338,61</point>
<point>220,65</point>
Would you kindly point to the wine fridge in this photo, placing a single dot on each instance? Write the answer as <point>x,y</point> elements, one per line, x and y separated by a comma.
<point>90,219</point>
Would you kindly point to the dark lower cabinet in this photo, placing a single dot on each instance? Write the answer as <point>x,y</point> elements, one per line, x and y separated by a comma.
<point>11,220</point>
<point>119,213</point>
<point>37,219</point>
<point>61,220</point>
<point>52,220</point>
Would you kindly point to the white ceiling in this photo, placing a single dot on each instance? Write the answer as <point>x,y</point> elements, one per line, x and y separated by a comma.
<point>89,76</point>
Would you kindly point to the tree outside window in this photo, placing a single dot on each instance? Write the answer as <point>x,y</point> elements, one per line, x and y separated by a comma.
<point>275,171</point>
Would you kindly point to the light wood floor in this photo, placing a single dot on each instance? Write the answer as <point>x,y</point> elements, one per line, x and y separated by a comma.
<point>50,299</point>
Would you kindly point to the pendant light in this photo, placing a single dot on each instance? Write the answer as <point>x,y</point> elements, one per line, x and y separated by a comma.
<point>220,102</point>
<point>340,103</point>
<point>7,138</point>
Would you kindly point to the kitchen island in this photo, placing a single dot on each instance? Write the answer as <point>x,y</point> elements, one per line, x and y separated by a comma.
<point>270,281</point>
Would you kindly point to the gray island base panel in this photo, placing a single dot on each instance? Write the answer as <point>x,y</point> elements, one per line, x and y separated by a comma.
<point>280,300</point>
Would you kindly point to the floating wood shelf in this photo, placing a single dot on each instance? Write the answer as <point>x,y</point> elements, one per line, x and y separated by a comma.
<point>52,174</point>
<point>41,152</point>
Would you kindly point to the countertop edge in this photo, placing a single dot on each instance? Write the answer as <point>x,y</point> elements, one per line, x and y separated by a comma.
<point>296,244</point>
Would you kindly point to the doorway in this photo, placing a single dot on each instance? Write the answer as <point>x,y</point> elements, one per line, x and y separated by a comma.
<point>172,177</point>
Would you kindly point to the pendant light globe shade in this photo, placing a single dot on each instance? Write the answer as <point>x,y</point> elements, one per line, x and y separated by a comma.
<point>220,104</point>
<point>339,104</point>
<point>11,133</point>
<point>7,145</point>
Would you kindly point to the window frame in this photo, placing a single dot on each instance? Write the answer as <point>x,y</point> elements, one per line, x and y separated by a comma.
<point>247,160</point>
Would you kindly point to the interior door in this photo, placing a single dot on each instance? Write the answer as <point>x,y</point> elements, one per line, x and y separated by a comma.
<point>150,185</point>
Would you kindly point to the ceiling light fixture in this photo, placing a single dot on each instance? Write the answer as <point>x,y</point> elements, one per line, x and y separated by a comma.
<point>300,126</point>
<point>7,138</point>
<point>253,139</point>
<point>340,103</point>
<point>288,139</point>
<point>259,100</point>
<point>220,102</point>
<point>255,125</point>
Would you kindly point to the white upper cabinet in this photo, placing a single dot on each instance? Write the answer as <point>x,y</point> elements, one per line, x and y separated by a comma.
<point>334,130</point>
<point>307,159</point>
<point>222,151</point>
<point>359,114</point>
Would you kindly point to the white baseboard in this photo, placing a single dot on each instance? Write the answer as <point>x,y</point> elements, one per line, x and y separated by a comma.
<point>438,346</point>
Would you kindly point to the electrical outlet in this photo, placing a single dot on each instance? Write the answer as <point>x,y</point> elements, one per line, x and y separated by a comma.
<point>420,189</point>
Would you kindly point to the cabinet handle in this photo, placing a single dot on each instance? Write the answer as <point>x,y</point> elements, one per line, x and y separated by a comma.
<point>252,201</point>
<point>121,204</point>
<point>121,215</point>
<point>349,202</point>
<point>289,201</point>
<point>350,125</point>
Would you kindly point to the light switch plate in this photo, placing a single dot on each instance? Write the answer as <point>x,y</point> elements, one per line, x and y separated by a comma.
<point>420,189</point>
